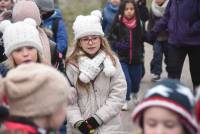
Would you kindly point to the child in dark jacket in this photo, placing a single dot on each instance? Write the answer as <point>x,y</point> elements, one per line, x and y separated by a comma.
<point>126,40</point>
<point>161,44</point>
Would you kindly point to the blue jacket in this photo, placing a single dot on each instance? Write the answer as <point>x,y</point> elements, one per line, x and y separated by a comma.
<point>61,36</point>
<point>3,70</point>
<point>109,13</point>
<point>182,19</point>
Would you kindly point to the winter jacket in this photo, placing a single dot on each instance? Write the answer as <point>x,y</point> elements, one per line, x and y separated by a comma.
<point>104,99</point>
<point>3,69</point>
<point>109,13</point>
<point>182,18</point>
<point>162,35</point>
<point>61,37</point>
<point>129,48</point>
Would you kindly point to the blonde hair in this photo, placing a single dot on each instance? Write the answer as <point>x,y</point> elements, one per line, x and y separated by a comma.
<point>78,52</point>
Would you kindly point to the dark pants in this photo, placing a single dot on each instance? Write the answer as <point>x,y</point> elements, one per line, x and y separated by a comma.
<point>176,57</point>
<point>159,48</point>
<point>133,74</point>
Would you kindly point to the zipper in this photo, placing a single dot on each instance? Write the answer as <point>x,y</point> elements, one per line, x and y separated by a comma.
<point>131,46</point>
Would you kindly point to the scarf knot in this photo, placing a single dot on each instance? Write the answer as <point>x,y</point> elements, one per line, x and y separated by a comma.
<point>90,68</point>
<point>131,24</point>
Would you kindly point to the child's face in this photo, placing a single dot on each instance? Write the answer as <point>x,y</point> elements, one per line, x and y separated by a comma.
<point>24,55</point>
<point>129,11</point>
<point>5,4</point>
<point>90,44</point>
<point>159,2</point>
<point>158,120</point>
<point>115,2</point>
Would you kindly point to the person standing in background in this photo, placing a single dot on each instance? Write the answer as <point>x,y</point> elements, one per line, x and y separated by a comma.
<point>144,16</point>
<point>143,11</point>
<point>53,20</point>
<point>109,12</point>
<point>181,19</point>
<point>126,40</point>
<point>160,47</point>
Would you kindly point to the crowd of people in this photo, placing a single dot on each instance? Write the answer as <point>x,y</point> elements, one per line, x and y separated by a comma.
<point>44,92</point>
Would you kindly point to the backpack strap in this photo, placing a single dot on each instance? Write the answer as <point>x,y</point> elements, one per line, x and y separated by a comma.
<point>55,28</point>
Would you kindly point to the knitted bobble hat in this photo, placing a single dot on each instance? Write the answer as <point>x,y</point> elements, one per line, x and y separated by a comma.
<point>88,25</point>
<point>197,107</point>
<point>173,96</point>
<point>20,34</point>
<point>34,90</point>
<point>26,9</point>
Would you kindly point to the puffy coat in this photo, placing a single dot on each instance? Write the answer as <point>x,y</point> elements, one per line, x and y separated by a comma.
<point>182,18</point>
<point>104,99</point>
<point>61,35</point>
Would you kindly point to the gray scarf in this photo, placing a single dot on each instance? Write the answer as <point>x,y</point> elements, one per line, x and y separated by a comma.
<point>157,10</point>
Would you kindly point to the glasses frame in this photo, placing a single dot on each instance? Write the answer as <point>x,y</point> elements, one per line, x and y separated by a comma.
<point>87,39</point>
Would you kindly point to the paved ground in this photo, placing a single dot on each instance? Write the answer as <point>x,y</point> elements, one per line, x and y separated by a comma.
<point>146,84</point>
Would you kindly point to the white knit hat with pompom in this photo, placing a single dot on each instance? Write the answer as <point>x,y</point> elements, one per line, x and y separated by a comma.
<point>20,34</point>
<point>88,25</point>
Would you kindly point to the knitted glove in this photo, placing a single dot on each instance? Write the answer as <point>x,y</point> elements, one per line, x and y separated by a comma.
<point>83,127</point>
<point>92,121</point>
<point>4,113</point>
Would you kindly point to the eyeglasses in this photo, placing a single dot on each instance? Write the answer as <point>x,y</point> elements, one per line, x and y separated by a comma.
<point>87,39</point>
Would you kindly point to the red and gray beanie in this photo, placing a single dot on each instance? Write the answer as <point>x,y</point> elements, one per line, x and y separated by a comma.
<point>197,107</point>
<point>172,95</point>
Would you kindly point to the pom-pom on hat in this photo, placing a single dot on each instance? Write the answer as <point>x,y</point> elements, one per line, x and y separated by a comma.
<point>173,96</point>
<point>34,90</point>
<point>20,34</point>
<point>88,25</point>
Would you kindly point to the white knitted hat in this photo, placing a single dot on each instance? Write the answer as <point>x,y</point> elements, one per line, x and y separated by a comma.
<point>20,34</point>
<point>88,25</point>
